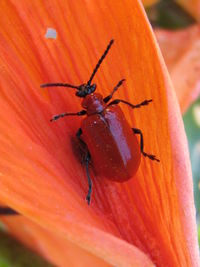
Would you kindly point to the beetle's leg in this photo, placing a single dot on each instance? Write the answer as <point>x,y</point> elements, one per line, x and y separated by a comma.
<point>143,103</point>
<point>80,113</point>
<point>86,161</point>
<point>107,98</point>
<point>78,135</point>
<point>152,157</point>
<point>5,211</point>
<point>83,146</point>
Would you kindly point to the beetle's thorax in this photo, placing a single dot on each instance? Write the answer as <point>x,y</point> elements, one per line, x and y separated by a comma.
<point>93,103</point>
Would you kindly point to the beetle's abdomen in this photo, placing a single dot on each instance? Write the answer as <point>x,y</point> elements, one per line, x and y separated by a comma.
<point>112,144</point>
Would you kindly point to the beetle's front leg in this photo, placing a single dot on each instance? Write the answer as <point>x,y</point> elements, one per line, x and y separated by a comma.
<point>107,98</point>
<point>80,113</point>
<point>117,101</point>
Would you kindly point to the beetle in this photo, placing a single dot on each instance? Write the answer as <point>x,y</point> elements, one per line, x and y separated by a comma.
<point>110,143</point>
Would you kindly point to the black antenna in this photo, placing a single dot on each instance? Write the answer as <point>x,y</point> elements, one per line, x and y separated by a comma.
<point>59,84</point>
<point>84,89</point>
<point>100,61</point>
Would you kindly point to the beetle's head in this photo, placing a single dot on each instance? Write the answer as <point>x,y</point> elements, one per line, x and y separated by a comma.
<point>85,89</point>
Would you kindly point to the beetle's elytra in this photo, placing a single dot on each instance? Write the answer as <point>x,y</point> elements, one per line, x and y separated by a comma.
<point>110,142</point>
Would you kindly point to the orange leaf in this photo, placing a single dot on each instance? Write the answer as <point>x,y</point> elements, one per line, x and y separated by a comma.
<point>44,243</point>
<point>150,216</point>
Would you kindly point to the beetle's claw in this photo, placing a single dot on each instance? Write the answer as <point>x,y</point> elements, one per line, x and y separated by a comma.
<point>146,102</point>
<point>54,118</point>
<point>88,198</point>
<point>152,157</point>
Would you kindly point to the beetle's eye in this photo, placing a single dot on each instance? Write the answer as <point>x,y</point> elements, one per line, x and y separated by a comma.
<point>80,94</point>
<point>92,88</point>
<point>82,91</point>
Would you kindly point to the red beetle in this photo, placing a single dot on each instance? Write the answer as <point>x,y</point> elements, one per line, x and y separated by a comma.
<point>110,143</point>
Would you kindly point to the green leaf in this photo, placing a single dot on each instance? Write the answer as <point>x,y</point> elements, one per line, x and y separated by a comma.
<point>192,127</point>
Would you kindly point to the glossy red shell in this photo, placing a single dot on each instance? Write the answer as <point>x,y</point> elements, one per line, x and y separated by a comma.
<point>93,103</point>
<point>114,149</point>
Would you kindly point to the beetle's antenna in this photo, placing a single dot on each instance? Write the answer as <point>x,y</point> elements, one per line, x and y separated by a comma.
<point>59,84</point>
<point>100,61</point>
<point>91,77</point>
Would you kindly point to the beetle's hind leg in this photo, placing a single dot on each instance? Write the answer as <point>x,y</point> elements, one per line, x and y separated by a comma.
<point>6,211</point>
<point>86,161</point>
<point>152,157</point>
